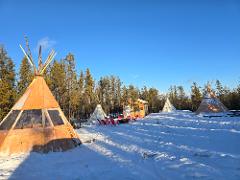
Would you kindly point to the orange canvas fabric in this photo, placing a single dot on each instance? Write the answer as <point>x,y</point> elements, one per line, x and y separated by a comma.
<point>59,138</point>
<point>37,96</point>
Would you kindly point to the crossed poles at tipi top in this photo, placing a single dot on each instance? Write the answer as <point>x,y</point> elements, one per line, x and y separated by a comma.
<point>41,67</point>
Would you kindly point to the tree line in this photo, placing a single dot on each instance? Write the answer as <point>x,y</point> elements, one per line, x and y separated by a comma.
<point>78,94</point>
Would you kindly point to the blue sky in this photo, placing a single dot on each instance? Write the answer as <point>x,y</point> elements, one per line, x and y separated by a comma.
<point>144,42</point>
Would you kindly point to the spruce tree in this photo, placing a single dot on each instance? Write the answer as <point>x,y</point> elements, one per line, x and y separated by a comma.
<point>173,95</point>
<point>125,96</point>
<point>89,97</point>
<point>104,94</point>
<point>25,76</point>
<point>7,83</point>
<point>196,96</point>
<point>219,90</point>
<point>72,86</point>
<point>182,100</point>
<point>118,86</point>
<point>81,109</point>
<point>112,93</point>
<point>154,101</point>
<point>57,79</point>
<point>144,93</point>
<point>133,97</point>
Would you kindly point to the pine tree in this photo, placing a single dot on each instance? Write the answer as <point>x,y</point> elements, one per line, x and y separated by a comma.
<point>125,96</point>
<point>154,100</point>
<point>105,93</point>
<point>228,98</point>
<point>237,92</point>
<point>89,85</point>
<point>7,83</point>
<point>81,110</point>
<point>170,95</point>
<point>57,77</point>
<point>47,75</point>
<point>219,91</point>
<point>89,97</point>
<point>196,96</point>
<point>118,94</point>
<point>182,102</point>
<point>133,97</point>
<point>25,76</point>
<point>112,93</point>
<point>219,88</point>
<point>81,82</point>
<point>72,86</point>
<point>144,93</point>
<point>173,95</point>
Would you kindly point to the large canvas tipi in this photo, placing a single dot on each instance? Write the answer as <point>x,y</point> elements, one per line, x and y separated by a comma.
<point>36,122</point>
<point>168,107</point>
<point>211,104</point>
<point>98,113</point>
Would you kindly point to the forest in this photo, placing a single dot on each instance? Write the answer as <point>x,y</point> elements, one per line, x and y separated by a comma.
<point>78,93</point>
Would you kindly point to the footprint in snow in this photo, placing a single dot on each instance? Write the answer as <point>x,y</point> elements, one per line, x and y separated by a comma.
<point>196,175</point>
<point>147,155</point>
<point>90,141</point>
<point>203,154</point>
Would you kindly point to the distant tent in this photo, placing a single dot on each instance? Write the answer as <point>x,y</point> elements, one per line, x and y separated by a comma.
<point>168,107</point>
<point>211,104</point>
<point>36,122</point>
<point>127,111</point>
<point>135,109</point>
<point>98,113</point>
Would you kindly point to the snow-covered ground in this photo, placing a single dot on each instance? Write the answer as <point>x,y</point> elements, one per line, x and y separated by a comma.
<point>162,146</point>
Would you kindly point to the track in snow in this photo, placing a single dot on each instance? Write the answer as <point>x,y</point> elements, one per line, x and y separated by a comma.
<point>162,146</point>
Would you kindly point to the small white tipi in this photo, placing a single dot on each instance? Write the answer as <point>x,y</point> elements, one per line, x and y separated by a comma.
<point>98,114</point>
<point>168,107</point>
<point>127,111</point>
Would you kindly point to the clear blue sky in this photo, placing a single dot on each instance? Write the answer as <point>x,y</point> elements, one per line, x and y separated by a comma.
<point>144,42</point>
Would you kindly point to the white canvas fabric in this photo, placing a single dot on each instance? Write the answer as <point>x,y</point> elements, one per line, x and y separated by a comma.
<point>98,113</point>
<point>127,111</point>
<point>211,104</point>
<point>168,107</point>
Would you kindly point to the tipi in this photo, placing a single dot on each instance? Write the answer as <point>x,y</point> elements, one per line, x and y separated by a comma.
<point>168,107</point>
<point>98,113</point>
<point>211,104</point>
<point>36,122</point>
